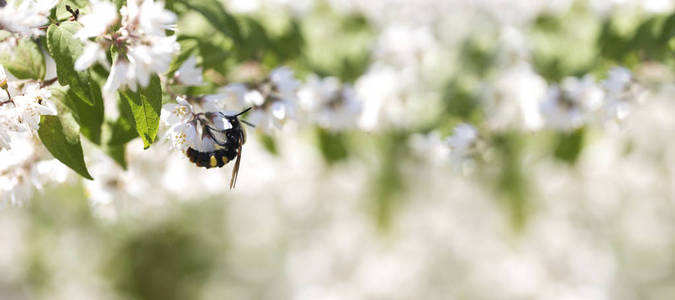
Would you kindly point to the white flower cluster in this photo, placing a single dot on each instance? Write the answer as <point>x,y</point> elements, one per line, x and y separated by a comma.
<point>21,105</point>
<point>281,99</point>
<point>141,43</point>
<point>188,124</point>
<point>189,74</point>
<point>23,163</point>
<point>25,17</point>
<point>459,150</point>
<point>329,104</point>
<point>578,102</point>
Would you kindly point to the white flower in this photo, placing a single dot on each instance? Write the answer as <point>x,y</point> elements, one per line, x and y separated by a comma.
<point>462,145</point>
<point>93,52</point>
<point>621,93</point>
<point>573,104</point>
<point>617,80</point>
<point>3,81</point>
<point>150,16</point>
<point>514,99</point>
<point>463,138</point>
<point>120,73</point>
<point>328,103</point>
<point>430,147</point>
<point>284,80</point>
<point>177,112</point>
<point>254,98</point>
<point>5,139</point>
<point>189,73</point>
<point>34,103</point>
<point>153,55</point>
<point>25,17</point>
<point>103,14</point>
<point>184,135</point>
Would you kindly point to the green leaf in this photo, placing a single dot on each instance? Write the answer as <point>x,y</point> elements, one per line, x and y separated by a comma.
<point>269,143</point>
<point>88,116</point>
<point>65,49</point>
<point>26,61</point>
<point>115,136</point>
<point>60,135</point>
<point>332,145</point>
<point>569,145</point>
<point>214,11</point>
<point>60,11</point>
<point>143,107</point>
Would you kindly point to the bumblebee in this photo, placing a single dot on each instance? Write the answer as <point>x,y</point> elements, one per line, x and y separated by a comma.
<point>222,145</point>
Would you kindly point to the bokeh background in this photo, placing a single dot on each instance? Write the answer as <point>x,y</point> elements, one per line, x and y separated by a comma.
<point>386,208</point>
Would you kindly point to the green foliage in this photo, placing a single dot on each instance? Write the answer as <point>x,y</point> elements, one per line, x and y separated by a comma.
<point>65,49</point>
<point>143,107</point>
<point>650,39</point>
<point>338,46</point>
<point>569,145</point>
<point>214,11</point>
<point>332,145</point>
<point>269,143</point>
<point>388,180</point>
<point>60,135</point>
<point>169,260</point>
<point>26,61</point>
<point>511,182</point>
<point>115,136</point>
<point>187,48</point>
<point>564,45</point>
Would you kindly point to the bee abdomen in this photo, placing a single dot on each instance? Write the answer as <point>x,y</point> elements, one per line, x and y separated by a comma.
<point>211,159</point>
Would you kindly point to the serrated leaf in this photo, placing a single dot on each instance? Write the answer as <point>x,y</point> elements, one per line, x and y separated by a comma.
<point>26,61</point>
<point>60,135</point>
<point>65,49</point>
<point>144,107</point>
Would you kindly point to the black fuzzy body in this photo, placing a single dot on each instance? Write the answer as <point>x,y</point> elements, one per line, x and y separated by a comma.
<point>227,149</point>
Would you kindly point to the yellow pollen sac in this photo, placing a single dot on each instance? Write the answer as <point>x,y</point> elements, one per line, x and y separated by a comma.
<point>3,84</point>
<point>213,161</point>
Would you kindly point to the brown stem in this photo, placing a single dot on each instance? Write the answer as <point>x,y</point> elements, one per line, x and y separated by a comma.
<point>48,82</point>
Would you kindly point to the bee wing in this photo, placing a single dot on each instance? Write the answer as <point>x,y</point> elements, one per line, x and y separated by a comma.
<point>235,170</point>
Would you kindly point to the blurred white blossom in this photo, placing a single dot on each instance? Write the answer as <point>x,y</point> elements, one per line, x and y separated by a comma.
<point>329,104</point>
<point>189,73</point>
<point>26,17</point>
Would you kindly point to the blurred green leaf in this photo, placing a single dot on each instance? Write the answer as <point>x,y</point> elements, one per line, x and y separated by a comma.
<point>511,181</point>
<point>214,11</point>
<point>332,145</point>
<point>170,260</point>
<point>569,145</point>
<point>269,143</point>
<point>26,61</point>
<point>388,180</point>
